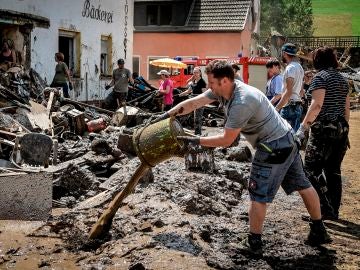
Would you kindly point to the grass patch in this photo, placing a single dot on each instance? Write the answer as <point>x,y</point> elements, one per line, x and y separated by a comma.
<point>333,25</point>
<point>330,16</point>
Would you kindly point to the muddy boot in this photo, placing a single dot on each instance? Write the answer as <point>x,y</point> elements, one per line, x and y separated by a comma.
<point>252,244</point>
<point>318,234</point>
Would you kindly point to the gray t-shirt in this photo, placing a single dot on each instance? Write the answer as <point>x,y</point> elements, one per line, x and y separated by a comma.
<point>250,110</point>
<point>294,70</point>
<point>121,78</point>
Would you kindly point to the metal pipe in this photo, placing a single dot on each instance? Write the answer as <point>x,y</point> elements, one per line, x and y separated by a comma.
<point>67,100</point>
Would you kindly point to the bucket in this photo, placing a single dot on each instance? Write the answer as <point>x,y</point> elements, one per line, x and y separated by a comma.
<point>157,142</point>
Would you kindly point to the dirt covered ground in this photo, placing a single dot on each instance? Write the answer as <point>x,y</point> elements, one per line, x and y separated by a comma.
<point>185,220</point>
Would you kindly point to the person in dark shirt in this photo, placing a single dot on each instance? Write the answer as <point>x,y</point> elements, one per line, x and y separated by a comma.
<point>197,87</point>
<point>327,118</point>
<point>7,52</point>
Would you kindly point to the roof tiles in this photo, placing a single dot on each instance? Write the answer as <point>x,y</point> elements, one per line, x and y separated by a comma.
<point>215,15</point>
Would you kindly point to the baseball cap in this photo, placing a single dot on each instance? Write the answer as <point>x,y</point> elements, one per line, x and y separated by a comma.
<point>289,48</point>
<point>121,61</point>
<point>163,72</point>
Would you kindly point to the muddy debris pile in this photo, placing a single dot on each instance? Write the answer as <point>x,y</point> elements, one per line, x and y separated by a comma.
<point>179,212</point>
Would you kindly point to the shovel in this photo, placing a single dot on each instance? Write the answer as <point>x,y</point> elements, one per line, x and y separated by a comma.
<point>103,225</point>
<point>153,144</point>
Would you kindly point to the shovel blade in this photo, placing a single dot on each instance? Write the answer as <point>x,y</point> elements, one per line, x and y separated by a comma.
<point>202,160</point>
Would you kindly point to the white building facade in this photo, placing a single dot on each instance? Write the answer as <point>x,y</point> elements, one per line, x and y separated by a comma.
<point>92,35</point>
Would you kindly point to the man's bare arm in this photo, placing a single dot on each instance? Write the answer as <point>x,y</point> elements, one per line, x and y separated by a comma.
<point>190,105</point>
<point>222,140</point>
<point>286,94</point>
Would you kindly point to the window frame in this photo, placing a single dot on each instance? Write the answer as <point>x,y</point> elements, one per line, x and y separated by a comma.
<point>109,65</point>
<point>158,14</point>
<point>76,36</point>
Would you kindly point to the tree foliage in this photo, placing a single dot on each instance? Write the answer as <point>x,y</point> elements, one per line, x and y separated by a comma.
<point>289,17</point>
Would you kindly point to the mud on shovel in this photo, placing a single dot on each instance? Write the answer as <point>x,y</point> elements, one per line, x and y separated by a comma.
<point>103,225</point>
<point>153,144</point>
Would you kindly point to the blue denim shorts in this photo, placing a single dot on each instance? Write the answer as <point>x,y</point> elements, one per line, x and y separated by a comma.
<point>266,176</point>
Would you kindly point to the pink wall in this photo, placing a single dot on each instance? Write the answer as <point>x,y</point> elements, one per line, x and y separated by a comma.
<point>189,44</point>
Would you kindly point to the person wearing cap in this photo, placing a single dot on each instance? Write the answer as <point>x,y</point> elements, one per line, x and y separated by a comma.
<point>197,87</point>
<point>276,162</point>
<point>120,81</point>
<point>290,104</point>
<point>166,89</point>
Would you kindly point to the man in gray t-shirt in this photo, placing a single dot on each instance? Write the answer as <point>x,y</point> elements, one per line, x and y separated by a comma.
<point>277,161</point>
<point>120,80</point>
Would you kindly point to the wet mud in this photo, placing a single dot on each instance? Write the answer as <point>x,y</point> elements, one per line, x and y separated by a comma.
<point>175,219</point>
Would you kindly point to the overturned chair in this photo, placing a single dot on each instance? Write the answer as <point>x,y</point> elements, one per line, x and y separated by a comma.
<point>33,149</point>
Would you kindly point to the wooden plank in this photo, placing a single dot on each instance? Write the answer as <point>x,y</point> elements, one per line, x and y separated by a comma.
<point>50,102</point>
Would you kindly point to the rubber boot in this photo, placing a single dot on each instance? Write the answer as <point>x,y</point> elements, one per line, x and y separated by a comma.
<point>318,234</point>
<point>253,244</point>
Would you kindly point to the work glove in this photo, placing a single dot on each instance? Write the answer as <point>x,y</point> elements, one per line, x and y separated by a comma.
<point>70,86</point>
<point>107,87</point>
<point>161,117</point>
<point>300,135</point>
<point>191,143</point>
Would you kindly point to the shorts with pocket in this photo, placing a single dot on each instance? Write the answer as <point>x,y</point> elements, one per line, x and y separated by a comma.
<point>269,172</point>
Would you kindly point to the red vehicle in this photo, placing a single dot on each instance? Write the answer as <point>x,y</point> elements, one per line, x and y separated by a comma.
<point>253,70</point>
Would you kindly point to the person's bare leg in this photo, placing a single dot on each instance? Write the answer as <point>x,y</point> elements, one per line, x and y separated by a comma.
<point>257,213</point>
<point>318,234</point>
<point>312,202</point>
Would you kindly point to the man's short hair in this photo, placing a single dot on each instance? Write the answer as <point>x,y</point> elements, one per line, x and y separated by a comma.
<point>220,69</point>
<point>120,61</point>
<point>272,62</point>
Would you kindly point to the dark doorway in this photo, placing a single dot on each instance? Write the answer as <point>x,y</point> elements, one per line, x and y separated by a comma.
<point>66,46</point>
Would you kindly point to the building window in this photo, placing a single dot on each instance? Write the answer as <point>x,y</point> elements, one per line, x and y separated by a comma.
<point>165,14</point>
<point>69,45</point>
<point>151,15</point>
<point>136,64</point>
<point>158,14</point>
<point>153,69</point>
<point>105,56</point>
